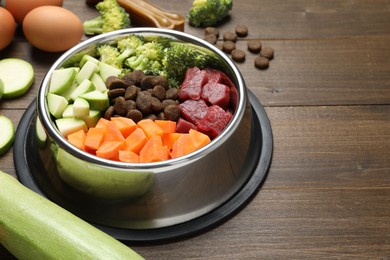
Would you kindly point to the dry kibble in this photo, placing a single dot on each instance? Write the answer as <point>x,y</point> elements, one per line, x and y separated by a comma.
<point>116,92</point>
<point>135,114</point>
<point>171,93</point>
<point>261,62</point>
<point>211,38</point>
<point>238,55</point>
<point>113,82</point>
<point>267,52</point>
<point>211,30</point>
<point>254,46</point>
<point>228,46</point>
<point>241,30</point>
<point>131,92</point>
<point>230,36</point>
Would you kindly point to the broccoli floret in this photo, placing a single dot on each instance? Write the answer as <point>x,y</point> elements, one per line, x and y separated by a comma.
<point>181,56</point>
<point>112,17</point>
<point>205,13</point>
<point>128,45</point>
<point>109,54</point>
<point>147,57</point>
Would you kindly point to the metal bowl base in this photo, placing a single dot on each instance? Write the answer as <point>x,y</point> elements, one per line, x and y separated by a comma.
<point>27,166</point>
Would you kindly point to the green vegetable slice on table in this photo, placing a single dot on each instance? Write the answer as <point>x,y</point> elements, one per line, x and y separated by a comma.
<point>32,227</point>
<point>17,76</point>
<point>7,135</point>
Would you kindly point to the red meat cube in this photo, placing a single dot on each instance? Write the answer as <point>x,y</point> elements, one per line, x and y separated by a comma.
<point>183,126</point>
<point>191,87</point>
<point>193,110</point>
<point>216,94</point>
<point>214,122</point>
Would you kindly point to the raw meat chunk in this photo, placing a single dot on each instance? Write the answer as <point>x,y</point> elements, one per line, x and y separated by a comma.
<point>215,121</point>
<point>191,88</point>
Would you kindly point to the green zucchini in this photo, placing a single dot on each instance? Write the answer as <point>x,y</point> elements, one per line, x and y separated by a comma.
<point>32,227</point>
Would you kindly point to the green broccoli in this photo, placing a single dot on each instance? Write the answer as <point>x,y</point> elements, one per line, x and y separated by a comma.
<point>108,54</point>
<point>128,45</point>
<point>147,57</point>
<point>205,13</point>
<point>112,17</point>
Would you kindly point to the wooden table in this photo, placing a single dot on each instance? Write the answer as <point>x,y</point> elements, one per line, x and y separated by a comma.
<point>327,95</point>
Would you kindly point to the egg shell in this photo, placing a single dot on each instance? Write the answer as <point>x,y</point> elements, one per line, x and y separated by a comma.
<point>52,28</point>
<point>7,28</point>
<point>20,8</point>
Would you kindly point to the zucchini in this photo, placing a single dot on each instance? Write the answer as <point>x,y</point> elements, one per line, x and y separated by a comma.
<point>32,227</point>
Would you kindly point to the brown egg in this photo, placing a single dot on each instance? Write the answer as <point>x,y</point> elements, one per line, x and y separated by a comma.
<point>52,28</point>
<point>20,8</point>
<point>7,28</point>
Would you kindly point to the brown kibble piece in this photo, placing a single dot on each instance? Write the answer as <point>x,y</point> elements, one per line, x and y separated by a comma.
<point>113,82</point>
<point>147,82</point>
<point>238,55</point>
<point>230,36</point>
<point>120,106</point>
<point>167,102</point>
<point>133,78</point>
<point>254,46</point>
<point>267,52</point>
<point>171,93</point>
<point>162,81</point>
<point>228,46</point>
<point>172,112</point>
<point>156,104</point>
<point>116,92</point>
<point>109,112</point>
<point>135,114</point>
<point>211,30</point>
<point>242,30</point>
<point>211,38</point>
<point>130,105</point>
<point>131,92</point>
<point>144,102</point>
<point>158,92</point>
<point>261,62</point>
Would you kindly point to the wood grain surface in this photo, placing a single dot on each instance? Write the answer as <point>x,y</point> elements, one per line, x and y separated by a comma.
<point>327,96</point>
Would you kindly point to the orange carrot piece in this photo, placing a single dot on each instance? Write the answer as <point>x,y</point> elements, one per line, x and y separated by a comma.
<point>77,139</point>
<point>170,138</point>
<point>109,150</point>
<point>153,150</point>
<point>113,133</point>
<point>135,141</point>
<point>125,125</point>
<point>94,138</point>
<point>128,156</point>
<point>150,128</point>
<point>102,123</point>
<point>167,126</point>
<point>199,139</point>
<point>182,146</point>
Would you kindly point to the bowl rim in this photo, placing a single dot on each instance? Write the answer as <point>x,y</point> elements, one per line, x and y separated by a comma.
<point>55,135</point>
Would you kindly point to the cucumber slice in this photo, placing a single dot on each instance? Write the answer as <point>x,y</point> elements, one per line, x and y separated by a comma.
<point>86,71</point>
<point>107,70</point>
<point>98,82</point>
<point>17,76</point>
<point>80,107</point>
<point>40,133</point>
<point>92,119</point>
<point>66,126</point>
<point>84,87</point>
<point>68,112</point>
<point>7,135</point>
<point>97,100</point>
<point>61,80</point>
<point>56,104</point>
<point>1,88</point>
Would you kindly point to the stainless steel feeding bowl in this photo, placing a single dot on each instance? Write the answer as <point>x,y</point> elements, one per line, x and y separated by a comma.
<point>147,195</point>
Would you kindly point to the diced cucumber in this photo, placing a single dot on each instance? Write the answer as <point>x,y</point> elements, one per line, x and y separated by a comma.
<point>107,70</point>
<point>86,58</point>
<point>80,107</point>
<point>56,104</point>
<point>86,71</point>
<point>61,80</point>
<point>97,100</point>
<point>1,88</point>
<point>69,91</point>
<point>98,82</point>
<point>70,125</point>
<point>92,119</point>
<point>7,135</point>
<point>68,112</point>
<point>84,87</point>
<point>40,133</point>
<point>17,76</point>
